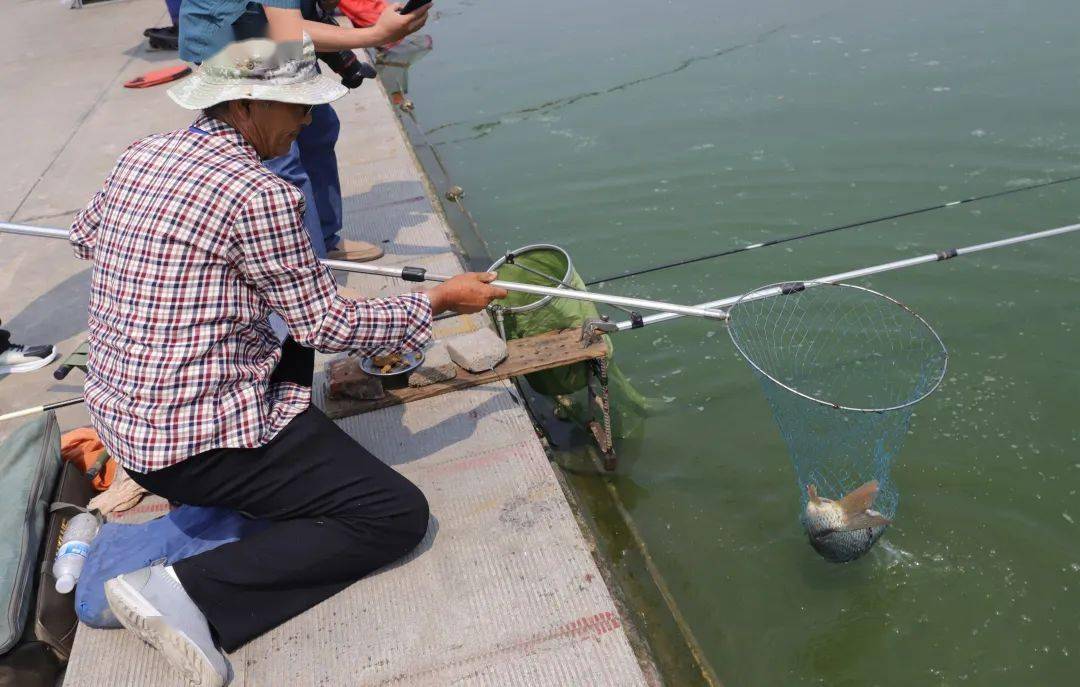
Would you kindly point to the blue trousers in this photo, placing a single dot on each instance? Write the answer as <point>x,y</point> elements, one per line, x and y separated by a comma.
<point>174,11</point>
<point>311,166</point>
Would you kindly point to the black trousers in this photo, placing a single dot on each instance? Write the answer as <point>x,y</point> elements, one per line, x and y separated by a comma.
<point>338,514</point>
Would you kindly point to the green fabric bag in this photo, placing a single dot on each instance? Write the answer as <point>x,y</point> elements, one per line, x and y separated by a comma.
<point>629,407</point>
<point>560,313</point>
<point>29,466</point>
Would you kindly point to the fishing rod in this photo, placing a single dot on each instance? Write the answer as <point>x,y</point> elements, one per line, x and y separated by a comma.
<point>419,274</point>
<point>793,287</point>
<point>41,409</point>
<point>827,230</point>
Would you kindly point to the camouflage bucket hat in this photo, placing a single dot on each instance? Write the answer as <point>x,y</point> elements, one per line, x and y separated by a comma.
<point>258,69</point>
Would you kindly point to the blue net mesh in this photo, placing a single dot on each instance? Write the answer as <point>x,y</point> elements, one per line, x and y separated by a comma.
<point>842,368</point>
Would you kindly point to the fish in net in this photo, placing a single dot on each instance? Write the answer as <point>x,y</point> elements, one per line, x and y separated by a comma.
<point>842,367</point>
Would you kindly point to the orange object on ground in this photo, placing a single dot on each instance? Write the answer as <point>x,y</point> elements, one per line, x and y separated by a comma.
<point>159,76</point>
<point>124,494</point>
<point>83,448</point>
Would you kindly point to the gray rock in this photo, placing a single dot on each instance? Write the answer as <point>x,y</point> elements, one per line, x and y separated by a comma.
<point>477,351</point>
<point>437,367</point>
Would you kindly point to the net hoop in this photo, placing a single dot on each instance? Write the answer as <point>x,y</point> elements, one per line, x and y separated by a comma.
<point>779,286</point>
<point>557,282</point>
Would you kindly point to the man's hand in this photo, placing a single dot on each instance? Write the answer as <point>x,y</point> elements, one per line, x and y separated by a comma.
<point>465,293</point>
<point>392,27</point>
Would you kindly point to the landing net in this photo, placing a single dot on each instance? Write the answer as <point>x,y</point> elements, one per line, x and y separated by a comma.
<point>842,367</point>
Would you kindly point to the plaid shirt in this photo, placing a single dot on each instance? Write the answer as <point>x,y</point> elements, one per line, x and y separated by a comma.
<point>194,244</point>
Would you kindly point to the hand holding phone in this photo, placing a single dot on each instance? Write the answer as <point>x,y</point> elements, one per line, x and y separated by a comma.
<point>398,21</point>
<point>413,5</point>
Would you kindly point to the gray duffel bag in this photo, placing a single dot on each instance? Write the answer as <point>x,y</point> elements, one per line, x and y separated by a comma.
<point>29,466</point>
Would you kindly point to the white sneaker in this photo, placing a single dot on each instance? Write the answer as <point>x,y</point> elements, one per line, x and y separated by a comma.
<point>19,358</point>
<point>153,604</point>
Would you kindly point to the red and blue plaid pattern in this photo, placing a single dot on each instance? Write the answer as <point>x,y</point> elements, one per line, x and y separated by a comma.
<point>194,244</point>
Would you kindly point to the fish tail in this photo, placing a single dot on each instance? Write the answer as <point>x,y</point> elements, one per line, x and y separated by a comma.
<point>861,499</point>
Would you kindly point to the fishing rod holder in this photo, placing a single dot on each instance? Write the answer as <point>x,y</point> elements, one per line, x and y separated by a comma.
<point>77,359</point>
<point>594,328</point>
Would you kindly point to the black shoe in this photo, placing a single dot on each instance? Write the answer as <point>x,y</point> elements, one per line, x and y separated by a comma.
<point>162,30</point>
<point>163,38</point>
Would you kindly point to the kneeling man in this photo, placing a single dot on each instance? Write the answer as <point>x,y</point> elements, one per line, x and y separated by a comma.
<point>195,244</point>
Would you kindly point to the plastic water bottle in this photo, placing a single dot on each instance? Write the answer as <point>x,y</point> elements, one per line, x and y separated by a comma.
<point>73,550</point>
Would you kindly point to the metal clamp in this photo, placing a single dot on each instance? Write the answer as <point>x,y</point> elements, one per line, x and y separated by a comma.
<point>595,327</point>
<point>499,313</point>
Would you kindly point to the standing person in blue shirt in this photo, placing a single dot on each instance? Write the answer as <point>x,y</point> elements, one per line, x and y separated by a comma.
<point>207,26</point>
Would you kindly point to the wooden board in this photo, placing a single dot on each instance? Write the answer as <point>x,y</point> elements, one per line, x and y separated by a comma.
<point>531,354</point>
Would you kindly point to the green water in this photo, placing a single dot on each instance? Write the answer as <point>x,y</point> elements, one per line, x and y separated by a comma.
<point>774,117</point>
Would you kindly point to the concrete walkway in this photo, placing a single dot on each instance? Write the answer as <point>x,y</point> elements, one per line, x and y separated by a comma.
<point>504,590</point>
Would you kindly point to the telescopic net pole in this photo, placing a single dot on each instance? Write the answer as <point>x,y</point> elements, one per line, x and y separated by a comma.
<point>417,274</point>
<point>860,273</point>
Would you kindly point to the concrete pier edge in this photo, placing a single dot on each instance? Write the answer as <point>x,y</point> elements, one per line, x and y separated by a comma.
<point>660,636</point>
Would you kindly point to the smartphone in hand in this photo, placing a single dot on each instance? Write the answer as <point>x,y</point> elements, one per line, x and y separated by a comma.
<point>413,5</point>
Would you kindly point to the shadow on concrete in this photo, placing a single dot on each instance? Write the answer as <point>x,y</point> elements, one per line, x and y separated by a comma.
<point>417,445</point>
<point>425,545</point>
<point>386,194</point>
<point>56,315</point>
<point>391,201</point>
<point>143,52</point>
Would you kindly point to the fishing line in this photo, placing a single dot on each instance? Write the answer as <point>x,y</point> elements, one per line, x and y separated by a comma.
<point>826,230</point>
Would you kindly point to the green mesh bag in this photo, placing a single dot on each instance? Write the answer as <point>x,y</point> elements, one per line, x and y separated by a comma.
<point>526,314</point>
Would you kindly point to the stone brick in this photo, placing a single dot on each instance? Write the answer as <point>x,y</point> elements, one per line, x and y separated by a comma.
<point>437,367</point>
<point>477,351</point>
